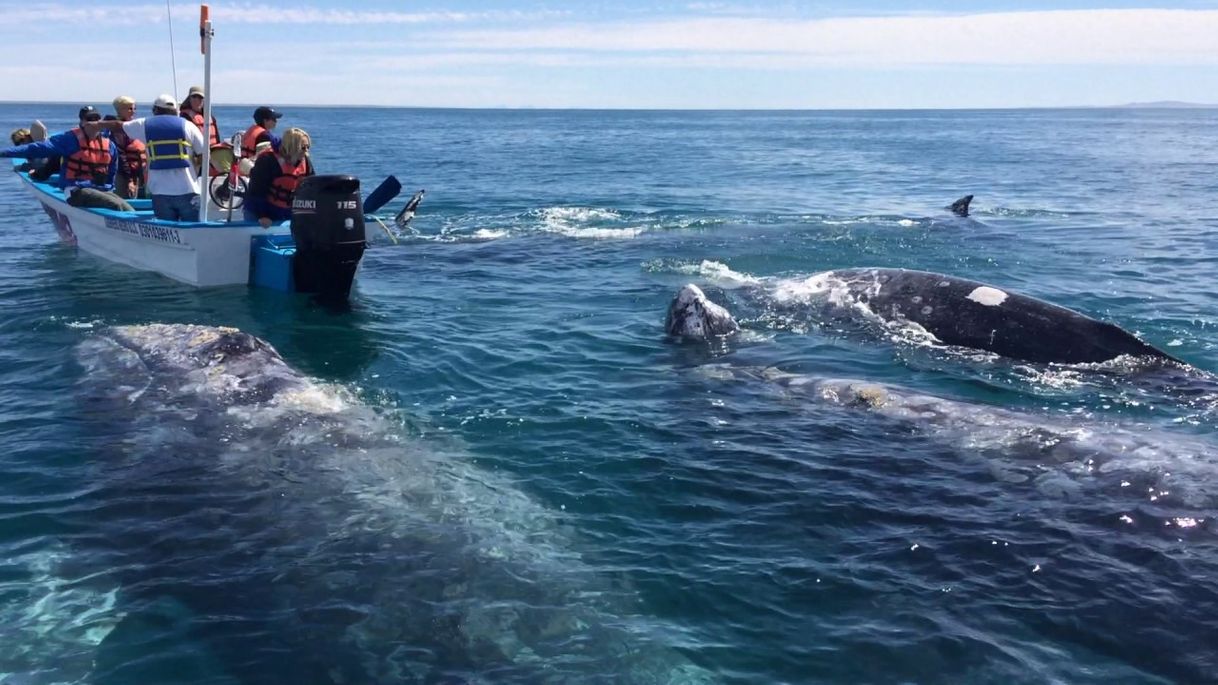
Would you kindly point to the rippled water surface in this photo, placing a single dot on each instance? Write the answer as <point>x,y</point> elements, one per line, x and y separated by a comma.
<point>496,469</point>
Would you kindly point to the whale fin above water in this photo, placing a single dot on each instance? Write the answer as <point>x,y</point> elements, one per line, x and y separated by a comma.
<point>960,207</point>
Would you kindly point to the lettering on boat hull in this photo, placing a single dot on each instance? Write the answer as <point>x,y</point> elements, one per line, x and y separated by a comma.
<point>163,234</point>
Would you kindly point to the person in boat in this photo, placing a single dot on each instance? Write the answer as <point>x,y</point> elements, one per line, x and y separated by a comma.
<point>192,111</point>
<point>40,169</point>
<point>263,131</point>
<point>132,153</point>
<point>21,136</point>
<point>273,181</point>
<point>172,143</point>
<point>89,162</point>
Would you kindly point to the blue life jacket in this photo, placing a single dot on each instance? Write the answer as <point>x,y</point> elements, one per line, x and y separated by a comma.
<point>168,147</point>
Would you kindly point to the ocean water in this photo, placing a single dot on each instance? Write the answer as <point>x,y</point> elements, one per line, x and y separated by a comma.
<point>604,505</point>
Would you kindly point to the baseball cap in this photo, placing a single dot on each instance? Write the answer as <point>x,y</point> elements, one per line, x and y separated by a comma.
<point>89,113</point>
<point>165,101</point>
<point>263,113</point>
<point>195,90</point>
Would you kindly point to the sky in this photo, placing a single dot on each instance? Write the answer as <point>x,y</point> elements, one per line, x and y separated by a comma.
<point>647,54</point>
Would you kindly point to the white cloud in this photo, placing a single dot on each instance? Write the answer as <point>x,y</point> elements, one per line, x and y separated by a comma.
<point>1136,36</point>
<point>246,13</point>
<point>264,14</point>
<point>95,15</point>
<point>1050,37</point>
<point>495,58</point>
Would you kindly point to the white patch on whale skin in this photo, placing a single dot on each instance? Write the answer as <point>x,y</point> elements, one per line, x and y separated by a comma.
<point>990,297</point>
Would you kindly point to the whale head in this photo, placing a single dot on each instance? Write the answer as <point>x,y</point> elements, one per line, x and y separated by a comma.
<point>692,315</point>
<point>960,207</point>
<point>188,363</point>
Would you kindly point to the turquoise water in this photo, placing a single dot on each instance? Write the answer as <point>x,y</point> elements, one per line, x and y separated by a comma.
<point>739,528</point>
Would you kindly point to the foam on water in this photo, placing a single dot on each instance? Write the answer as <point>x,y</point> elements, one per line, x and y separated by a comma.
<point>490,233</point>
<point>719,274</point>
<point>587,222</point>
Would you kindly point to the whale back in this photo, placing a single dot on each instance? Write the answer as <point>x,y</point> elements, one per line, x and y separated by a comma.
<point>971,314</point>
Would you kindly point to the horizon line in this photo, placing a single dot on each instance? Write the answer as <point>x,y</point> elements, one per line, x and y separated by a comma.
<point>1157,104</point>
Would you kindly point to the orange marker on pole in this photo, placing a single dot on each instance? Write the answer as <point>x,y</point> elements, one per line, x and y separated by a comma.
<point>203,17</point>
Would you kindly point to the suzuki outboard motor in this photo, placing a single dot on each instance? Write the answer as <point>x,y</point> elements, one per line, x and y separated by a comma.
<point>328,227</point>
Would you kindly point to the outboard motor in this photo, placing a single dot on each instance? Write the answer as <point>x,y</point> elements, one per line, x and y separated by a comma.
<point>328,227</point>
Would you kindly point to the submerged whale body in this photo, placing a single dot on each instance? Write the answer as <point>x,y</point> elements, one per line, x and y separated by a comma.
<point>1056,453</point>
<point>315,541</point>
<point>971,314</point>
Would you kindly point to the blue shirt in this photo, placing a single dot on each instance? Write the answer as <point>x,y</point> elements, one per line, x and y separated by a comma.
<point>64,145</point>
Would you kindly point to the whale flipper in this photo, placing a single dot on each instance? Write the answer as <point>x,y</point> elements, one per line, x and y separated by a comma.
<point>403,217</point>
<point>960,207</point>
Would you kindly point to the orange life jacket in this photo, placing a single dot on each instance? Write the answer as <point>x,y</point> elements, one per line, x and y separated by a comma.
<point>213,135</point>
<point>132,155</point>
<point>249,141</point>
<point>91,162</point>
<point>283,188</point>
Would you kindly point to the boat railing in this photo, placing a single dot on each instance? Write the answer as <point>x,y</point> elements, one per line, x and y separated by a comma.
<point>142,208</point>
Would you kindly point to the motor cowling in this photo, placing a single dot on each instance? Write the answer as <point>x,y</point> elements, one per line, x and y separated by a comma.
<point>328,228</point>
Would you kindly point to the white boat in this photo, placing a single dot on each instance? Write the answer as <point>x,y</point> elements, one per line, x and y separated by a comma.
<point>332,228</point>
<point>328,213</point>
<point>197,253</point>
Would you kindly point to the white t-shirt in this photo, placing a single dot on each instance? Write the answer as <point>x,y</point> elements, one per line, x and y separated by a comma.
<point>170,181</point>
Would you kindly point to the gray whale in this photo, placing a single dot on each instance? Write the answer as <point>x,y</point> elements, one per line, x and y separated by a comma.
<point>1059,454</point>
<point>306,533</point>
<point>1052,452</point>
<point>956,311</point>
<point>966,313</point>
<point>691,314</point>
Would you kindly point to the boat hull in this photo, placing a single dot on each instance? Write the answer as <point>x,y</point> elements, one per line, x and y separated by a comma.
<point>198,254</point>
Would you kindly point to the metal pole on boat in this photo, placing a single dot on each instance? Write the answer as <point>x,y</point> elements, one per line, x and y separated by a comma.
<point>205,34</point>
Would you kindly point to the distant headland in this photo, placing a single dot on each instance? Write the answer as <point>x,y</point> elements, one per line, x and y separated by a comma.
<point>1165,104</point>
